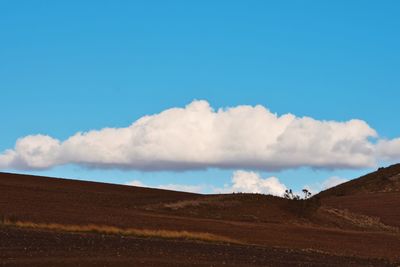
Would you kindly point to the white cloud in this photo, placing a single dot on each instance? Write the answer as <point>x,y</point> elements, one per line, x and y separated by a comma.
<point>136,183</point>
<point>328,183</point>
<point>251,182</point>
<point>198,137</point>
<point>241,181</point>
<point>33,152</point>
<point>333,181</point>
<point>389,149</point>
<point>184,188</point>
<point>174,187</point>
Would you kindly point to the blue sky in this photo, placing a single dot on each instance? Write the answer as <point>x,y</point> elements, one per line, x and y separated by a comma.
<point>81,65</point>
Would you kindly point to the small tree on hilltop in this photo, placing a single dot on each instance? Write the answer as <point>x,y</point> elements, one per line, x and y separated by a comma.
<point>290,195</point>
<point>307,194</point>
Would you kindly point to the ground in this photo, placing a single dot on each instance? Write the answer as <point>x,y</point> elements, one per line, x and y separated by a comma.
<point>341,227</point>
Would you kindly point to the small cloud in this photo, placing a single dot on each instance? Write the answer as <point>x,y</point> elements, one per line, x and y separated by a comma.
<point>252,182</point>
<point>184,188</point>
<point>326,184</point>
<point>241,181</point>
<point>136,183</point>
<point>332,182</point>
<point>174,187</point>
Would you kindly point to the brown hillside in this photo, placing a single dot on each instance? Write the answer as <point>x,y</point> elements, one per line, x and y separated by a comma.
<point>308,229</point>
<point>376,195</point>
<point>381,181</point>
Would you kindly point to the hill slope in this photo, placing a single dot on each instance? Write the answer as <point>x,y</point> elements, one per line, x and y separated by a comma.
<point>47,199</point>
<point>312,230</point>
<point>383,180</point>
<point>376,194</point>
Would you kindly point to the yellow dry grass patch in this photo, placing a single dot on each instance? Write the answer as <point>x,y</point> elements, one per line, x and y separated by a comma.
<point>105,229</point>
<point>362,220</point>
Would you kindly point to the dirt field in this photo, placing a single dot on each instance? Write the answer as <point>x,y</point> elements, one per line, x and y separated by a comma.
<point>43,248</point>
<point>331,230</point>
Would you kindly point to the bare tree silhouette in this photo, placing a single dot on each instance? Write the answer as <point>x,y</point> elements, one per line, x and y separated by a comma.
<point>290,195</point>
<point>307,194</point>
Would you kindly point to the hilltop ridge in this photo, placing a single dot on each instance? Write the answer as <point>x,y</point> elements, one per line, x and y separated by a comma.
<point>385,179</point>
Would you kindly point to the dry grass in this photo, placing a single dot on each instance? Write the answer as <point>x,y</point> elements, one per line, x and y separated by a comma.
<point>184,204</point>
<point>105,229</point>
<point>362,221</point>
<point>219,201</point>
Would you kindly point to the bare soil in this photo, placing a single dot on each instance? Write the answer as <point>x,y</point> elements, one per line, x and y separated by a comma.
<point>44,248</point>
<point>330,230</point>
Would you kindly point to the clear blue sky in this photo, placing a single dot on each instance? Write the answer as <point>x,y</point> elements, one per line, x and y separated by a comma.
<point>69,66</point>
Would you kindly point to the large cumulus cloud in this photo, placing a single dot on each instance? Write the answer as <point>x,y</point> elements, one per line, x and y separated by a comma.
<point>199,137</point>
<point>389,149</point>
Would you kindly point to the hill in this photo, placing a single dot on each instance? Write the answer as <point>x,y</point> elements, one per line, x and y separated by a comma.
<point>68,220</point>
<point>376,195</point>
<point>383,180</point>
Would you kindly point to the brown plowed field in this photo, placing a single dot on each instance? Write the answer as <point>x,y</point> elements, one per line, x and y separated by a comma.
<point>383,205</point>
<point>273,230</point>
<point>43,248</point>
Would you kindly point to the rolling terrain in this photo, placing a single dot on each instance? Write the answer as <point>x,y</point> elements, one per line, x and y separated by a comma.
<point>59,222</point>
